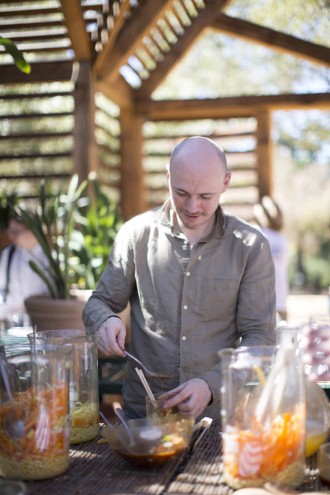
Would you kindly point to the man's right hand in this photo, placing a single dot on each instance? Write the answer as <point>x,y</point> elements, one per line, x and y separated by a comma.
<point>111,337</point>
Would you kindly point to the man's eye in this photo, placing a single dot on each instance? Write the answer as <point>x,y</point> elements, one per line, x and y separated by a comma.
<point>181,193</point>
<point>206,196</point>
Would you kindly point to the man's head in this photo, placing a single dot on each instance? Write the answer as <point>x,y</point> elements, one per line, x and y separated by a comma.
<point>19,234</point>
<point>197,177</point>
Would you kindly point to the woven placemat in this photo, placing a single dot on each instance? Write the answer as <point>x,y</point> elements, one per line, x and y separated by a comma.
<point>95,469</point>
<point>203,470</point>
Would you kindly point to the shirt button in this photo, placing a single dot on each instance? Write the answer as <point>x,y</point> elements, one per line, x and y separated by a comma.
<point>199,258</point>
<point>185,307</point>
<point>184,338</point>
<point>188,274</point>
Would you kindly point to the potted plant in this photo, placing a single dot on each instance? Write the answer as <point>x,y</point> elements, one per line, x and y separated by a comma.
<point>97,223</point>
<point>53,223</point>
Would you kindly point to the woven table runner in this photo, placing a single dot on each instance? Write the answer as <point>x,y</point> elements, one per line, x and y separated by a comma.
<point>95,469</point>
<point>203,470</point>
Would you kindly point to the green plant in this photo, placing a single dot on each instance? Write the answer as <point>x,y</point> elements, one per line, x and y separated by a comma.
<point>53,224</point>
<point>7,203</point>
<point>97,223</point>
<point>17,55</point>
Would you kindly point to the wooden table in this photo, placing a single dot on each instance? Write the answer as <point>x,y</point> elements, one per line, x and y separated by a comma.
<point>97,470</point>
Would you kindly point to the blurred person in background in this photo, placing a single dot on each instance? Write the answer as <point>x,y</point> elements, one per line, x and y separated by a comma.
<point>269,217</point>
<point>17,279</point>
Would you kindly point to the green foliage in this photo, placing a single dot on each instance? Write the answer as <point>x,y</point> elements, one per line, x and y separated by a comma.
<point>7,203</point>
<point>75,229</point>
<point>97,224</point>
<point>17,55</point>
<point>312,259</point>
<point>317,273</point>
<point>53,224</point>
<point>311,274</point>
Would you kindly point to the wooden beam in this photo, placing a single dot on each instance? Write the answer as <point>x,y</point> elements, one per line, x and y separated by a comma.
<point>40,72</point>
<point>31,11</point>
<point>190,36</point>
<point>264,153</point>
<point>107,66</point>
<point>84,149</point>
<point>30,23</point>
<point>272,39</point>
<point>42,35</point>
<point>75,24</point>
<point>132,174</point>
<point>119,21</point>
<point>240,106</point>
<point>117,91</point>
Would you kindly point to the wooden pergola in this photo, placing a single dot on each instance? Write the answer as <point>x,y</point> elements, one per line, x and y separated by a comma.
<point>123,50</point>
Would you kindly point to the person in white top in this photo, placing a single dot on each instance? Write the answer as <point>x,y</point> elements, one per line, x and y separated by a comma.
<point>17,279</point>
<point>270,220</point>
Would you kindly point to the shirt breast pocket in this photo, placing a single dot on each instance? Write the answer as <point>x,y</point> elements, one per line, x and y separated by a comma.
<point>218,297</point>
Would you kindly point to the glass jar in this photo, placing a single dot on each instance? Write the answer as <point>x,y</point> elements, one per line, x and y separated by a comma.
<point>84,396</point>
<point>38,399</point>
<point>263,416</point>
<point>317,417</point>
<point>317,403</point>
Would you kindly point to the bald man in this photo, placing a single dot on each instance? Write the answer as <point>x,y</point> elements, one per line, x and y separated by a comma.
<point>198,280</point>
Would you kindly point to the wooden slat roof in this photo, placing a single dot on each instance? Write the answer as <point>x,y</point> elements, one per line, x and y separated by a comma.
<point>122,50</point>
<point>145,38</point>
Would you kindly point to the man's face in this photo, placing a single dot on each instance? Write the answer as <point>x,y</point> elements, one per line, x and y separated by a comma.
<point>195,191</point>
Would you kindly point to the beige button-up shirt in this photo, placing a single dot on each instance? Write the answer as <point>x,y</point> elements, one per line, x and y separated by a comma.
<point>187,302</point>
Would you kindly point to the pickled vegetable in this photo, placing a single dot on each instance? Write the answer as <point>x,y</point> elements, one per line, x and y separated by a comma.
<point>254,456</point>
<point>43,451</point>
<point>84,422</point>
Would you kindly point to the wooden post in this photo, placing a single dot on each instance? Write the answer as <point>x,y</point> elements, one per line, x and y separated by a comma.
<point>264,154</point>
<point>84,148</point>
<point>132,175</point>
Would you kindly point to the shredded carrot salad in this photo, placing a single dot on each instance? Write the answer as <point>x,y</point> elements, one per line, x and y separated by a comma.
<point>84,422</point>
<point>45,415</point>
<point>264,452</point>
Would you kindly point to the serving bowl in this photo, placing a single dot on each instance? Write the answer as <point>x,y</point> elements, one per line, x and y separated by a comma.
<point>150,441</point>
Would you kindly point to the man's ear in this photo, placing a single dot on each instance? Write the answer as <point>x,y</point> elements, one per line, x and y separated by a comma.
<point>226,182</point>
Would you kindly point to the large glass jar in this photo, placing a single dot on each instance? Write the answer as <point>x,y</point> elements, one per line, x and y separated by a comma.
<point>84,397</point>
<point>263,416</point>
<point>38,400</point>
<point>317,403</point>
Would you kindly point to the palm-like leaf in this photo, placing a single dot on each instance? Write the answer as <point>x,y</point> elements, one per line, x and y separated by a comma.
<point>53,225</point>
<point>17,55</point>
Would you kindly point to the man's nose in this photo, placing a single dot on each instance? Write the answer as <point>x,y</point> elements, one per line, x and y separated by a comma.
<point>192,203</point>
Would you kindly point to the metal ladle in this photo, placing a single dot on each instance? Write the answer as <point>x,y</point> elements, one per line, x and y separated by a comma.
<point>152,374</point>
<point>13,425</point>
<point>121,415</point>
<point>107,422</point>
<point>143,440</point>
